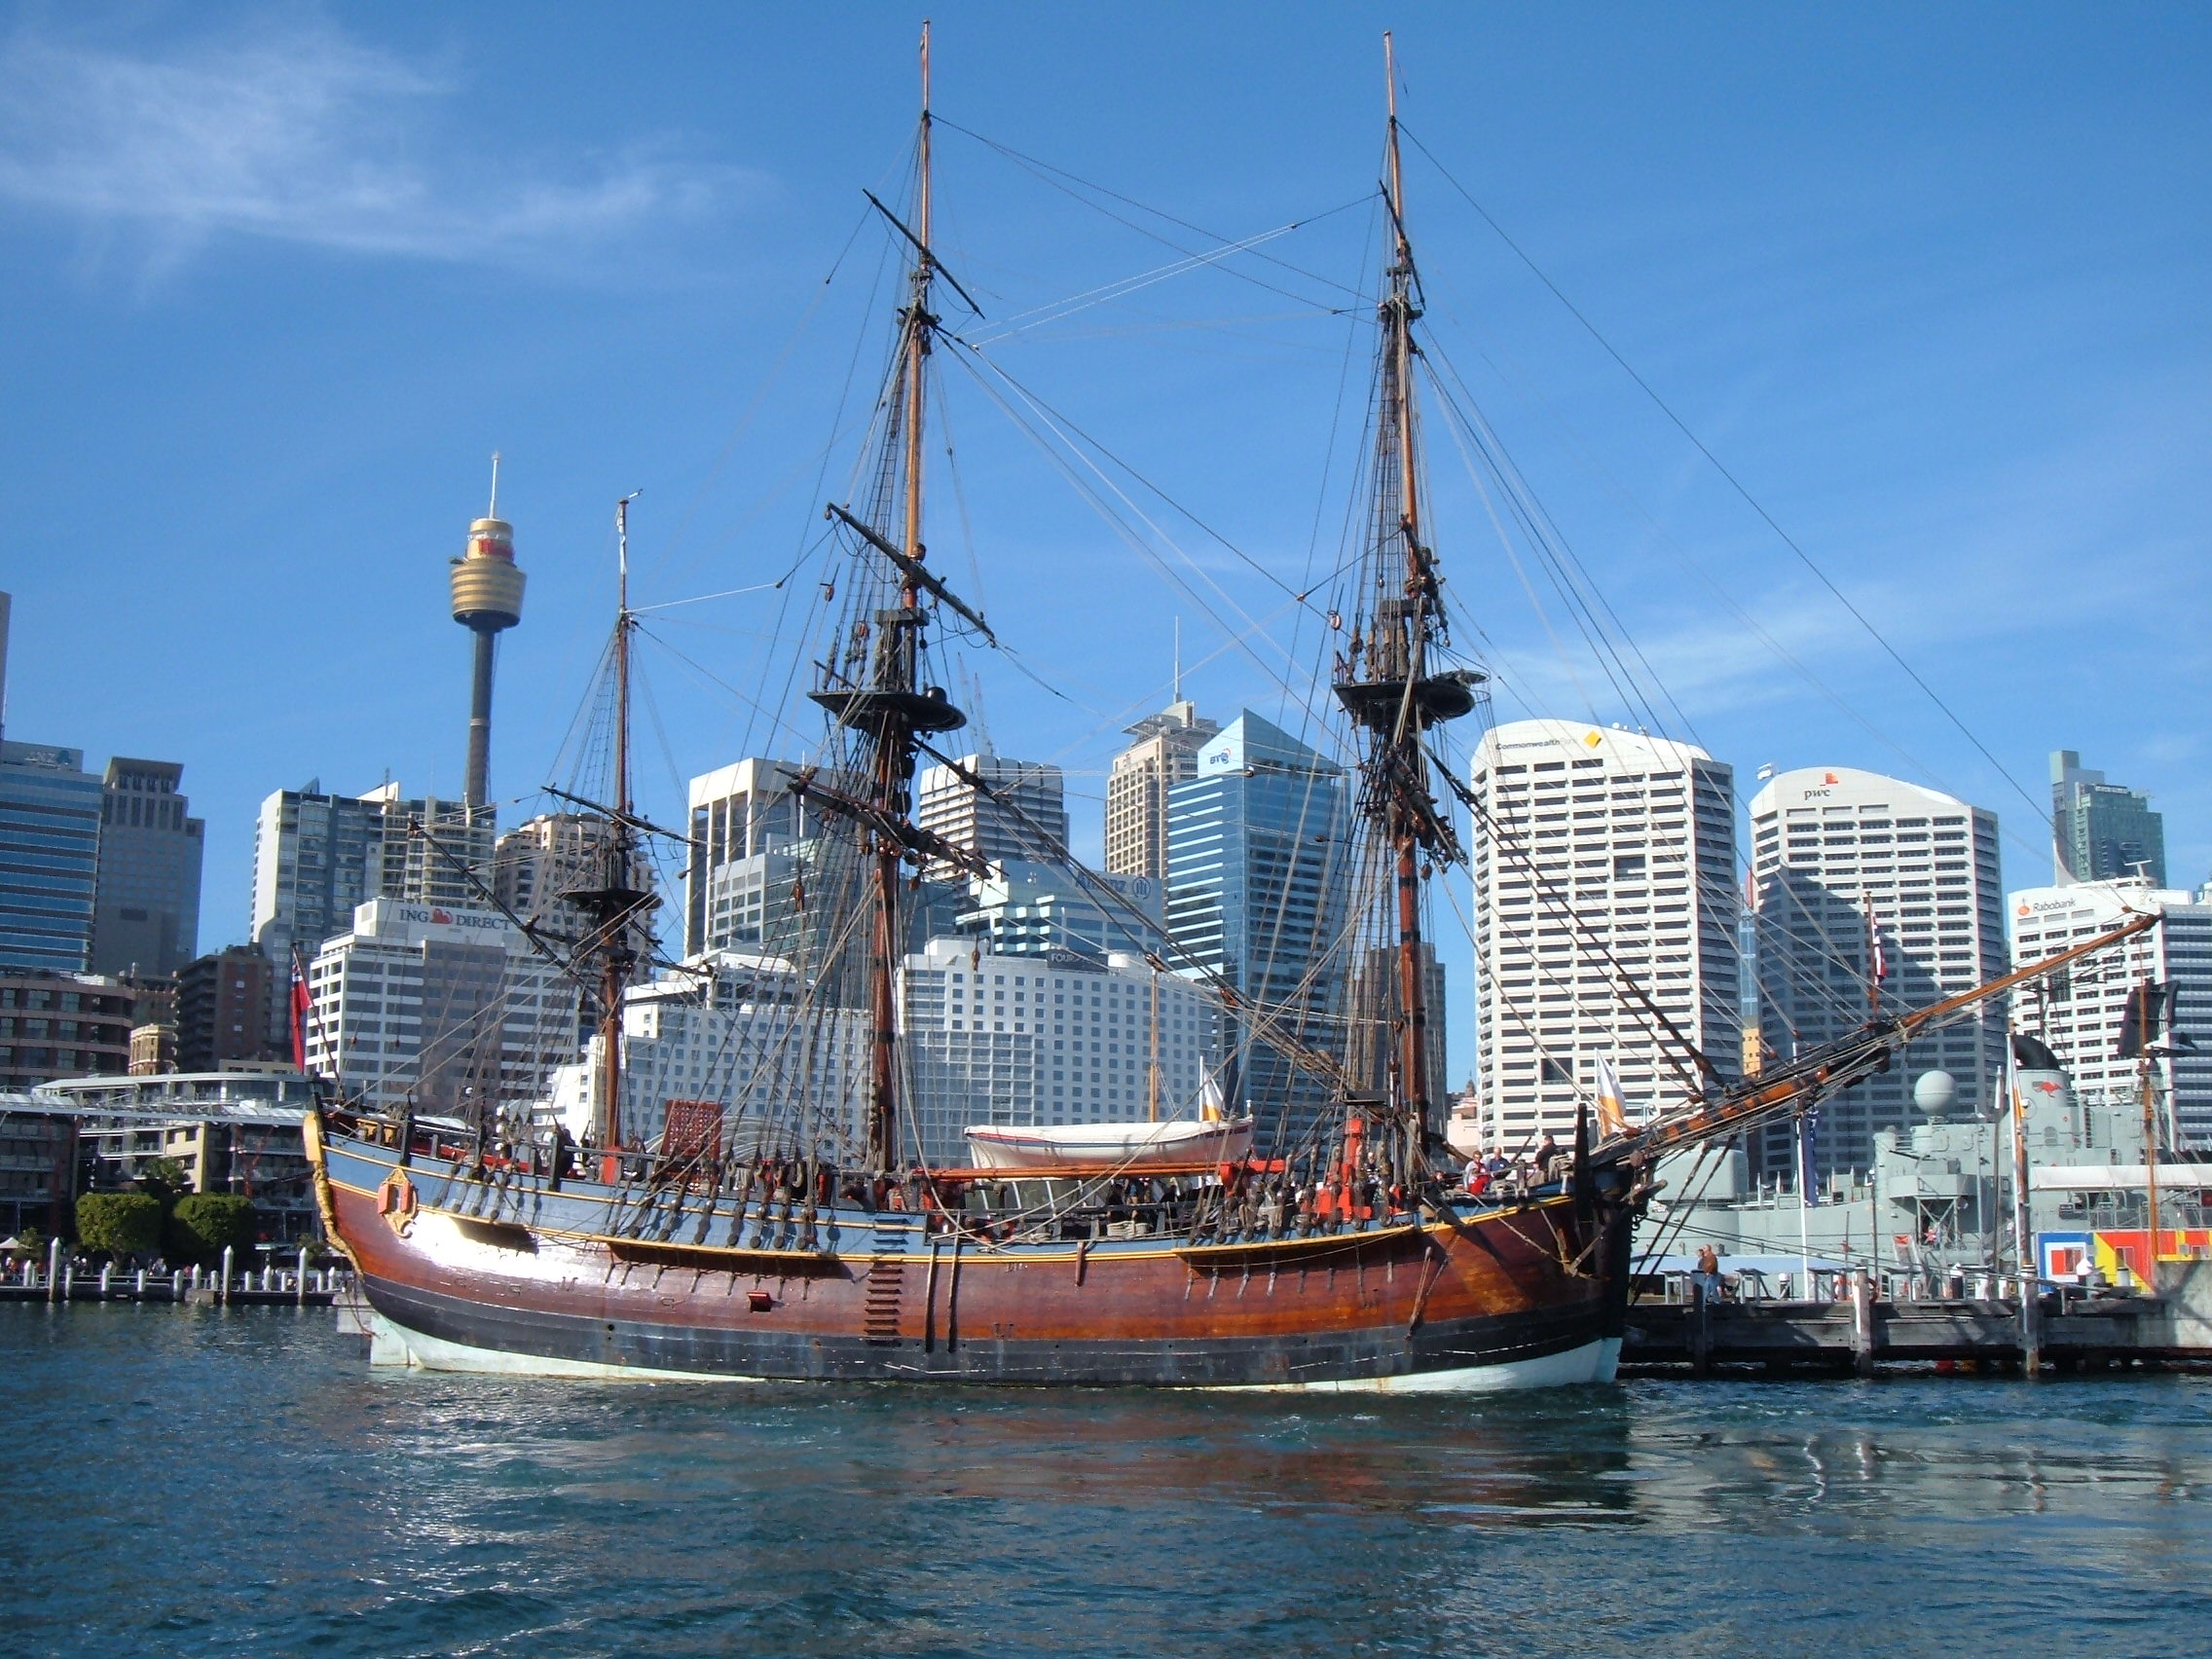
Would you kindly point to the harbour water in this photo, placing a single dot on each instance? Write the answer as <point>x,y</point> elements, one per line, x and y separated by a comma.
<point>188,1481</point>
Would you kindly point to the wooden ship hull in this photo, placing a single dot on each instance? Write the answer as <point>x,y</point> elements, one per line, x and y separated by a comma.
<point>503,1274</point>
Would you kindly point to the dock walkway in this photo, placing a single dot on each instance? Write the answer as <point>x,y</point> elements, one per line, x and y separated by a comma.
<point>1843,1336</point>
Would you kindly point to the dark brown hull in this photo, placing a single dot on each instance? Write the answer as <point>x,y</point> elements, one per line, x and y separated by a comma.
<point>517,1280</point>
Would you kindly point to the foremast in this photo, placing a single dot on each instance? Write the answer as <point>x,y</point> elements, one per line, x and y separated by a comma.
<point>1388,683</point>
<point>887,706</point>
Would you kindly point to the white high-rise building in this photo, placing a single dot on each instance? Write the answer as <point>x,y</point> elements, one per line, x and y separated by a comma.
<point>1061,1039</point>
<point>2078,1012</point>
<point>1615,852</point>
<point>736,1033</point>
<point>1165,754</point>
<point>750,840</point>
<point>449,1008</point>
<point>1839,857</point>
<point>1029,818</point>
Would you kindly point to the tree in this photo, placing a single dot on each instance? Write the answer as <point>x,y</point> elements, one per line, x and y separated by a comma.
<point>119,1224</point>
<point>203,1223</point>
<point>165,1179</point>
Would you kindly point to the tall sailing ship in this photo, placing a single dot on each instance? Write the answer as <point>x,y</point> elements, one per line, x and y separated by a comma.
<point>1348,1252</point>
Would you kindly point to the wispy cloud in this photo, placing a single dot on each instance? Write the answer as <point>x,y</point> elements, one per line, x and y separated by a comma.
<point>305,136</point>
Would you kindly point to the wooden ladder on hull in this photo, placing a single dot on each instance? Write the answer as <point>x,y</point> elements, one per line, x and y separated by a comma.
<point>886,1284</point>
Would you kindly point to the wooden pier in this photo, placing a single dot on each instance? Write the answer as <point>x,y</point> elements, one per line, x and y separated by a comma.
<point>265,1287</point>
<point>1862,1335</point>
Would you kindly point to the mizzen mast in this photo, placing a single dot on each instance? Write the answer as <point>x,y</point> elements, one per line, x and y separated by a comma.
<point>1389,685</point>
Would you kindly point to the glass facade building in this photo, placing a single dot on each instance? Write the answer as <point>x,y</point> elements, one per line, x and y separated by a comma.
<point>1259,867</point>
<point>50,843</point>
<point>147,915</point>
<point>2102,832</point>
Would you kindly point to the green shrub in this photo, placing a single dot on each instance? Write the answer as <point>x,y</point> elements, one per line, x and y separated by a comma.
<point>203,1223</point>
<point>119,1224</point>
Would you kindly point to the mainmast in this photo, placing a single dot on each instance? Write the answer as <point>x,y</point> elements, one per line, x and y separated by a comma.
<point>890,710</point>
<point>1386,681</point>
<point>615,902</point>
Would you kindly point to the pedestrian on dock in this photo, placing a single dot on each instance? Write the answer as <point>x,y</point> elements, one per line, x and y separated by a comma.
<point>1707,1275</point>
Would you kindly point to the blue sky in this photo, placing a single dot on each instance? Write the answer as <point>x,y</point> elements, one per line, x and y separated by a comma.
<point>274,281</point>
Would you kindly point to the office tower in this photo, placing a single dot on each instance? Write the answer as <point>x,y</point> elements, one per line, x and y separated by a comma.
<point>317,858</point>
<point>447,1008</point>
<point>146,906</point>
<point>1165,754</point>
<point>2078,1013</point>
<point>769,873</point>
<point>2102,832</point>
<point>54,1024</point>
<point>230,1007</point>
<point>486,598</point>
<point>1842,857</point>
<point>753,843</point>
<point>1022,1041</point>
<point>1027,908</point>
<point>49,826</point>
<point>1258,871</point>
<point>1613,859</point>
<point>1024,817</point>
<point>49,831</point>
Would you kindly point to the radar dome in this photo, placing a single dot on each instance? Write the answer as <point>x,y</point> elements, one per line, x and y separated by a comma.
<point>1936,1092</point>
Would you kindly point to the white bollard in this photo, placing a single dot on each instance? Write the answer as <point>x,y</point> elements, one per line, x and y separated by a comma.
<point>54,1270</point>
<point>303,1276</point>
<point>105,1269</point>
<point>223,1287</point>
<point>141,1284</point>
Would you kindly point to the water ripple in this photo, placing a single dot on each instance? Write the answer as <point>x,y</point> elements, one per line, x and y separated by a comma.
<point>203,1482</point>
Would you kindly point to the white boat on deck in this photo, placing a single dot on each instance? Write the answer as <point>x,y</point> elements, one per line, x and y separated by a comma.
<point>1178,1140</point>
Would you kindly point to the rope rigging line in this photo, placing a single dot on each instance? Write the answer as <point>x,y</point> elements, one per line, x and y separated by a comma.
<point>1734,483</point>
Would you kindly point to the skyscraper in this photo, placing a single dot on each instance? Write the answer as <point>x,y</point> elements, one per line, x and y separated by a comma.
<point>751,839</point>
<point>146,909</point>
<point>1024,817</point>
<point>317,857</point>
<point>1613,857</point>
<point>49,836</point>
<point>2078,1013</point>
<point>1259,863</point>
<point>2101,832</point>
<point>50,830</point>
<point>1026,909</point>
<point>1165,754</point>
<point>1844,858</point>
